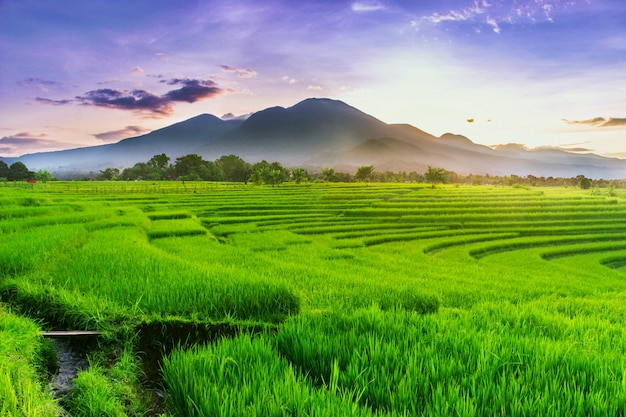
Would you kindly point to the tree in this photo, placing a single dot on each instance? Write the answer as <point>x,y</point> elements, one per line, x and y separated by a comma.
<point>584,182</point>
<point>109,174</point>
<point>43,176</point>
<point>19,172</point>
<point>266,173</point>
<point>209,171</point>
<point>188,167</point>
<point>364,173</point>
<point>4,171</point>
<point>299,174</point>
<point>157,166</point>
<point>328,174</point>
<point>435,176</point>
<point>234,168</point>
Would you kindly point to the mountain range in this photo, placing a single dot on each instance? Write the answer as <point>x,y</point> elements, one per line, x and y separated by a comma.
<point>320,132</point>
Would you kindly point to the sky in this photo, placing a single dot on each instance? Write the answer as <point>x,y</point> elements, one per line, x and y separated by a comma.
<point>540,73</point>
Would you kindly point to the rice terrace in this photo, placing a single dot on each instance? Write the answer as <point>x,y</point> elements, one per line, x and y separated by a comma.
<point>315,299</point>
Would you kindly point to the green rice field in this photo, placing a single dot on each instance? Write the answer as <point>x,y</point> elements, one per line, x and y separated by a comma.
<point>360,299</point>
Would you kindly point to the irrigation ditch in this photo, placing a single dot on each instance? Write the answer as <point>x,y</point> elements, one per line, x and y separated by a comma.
<point>152,340</point>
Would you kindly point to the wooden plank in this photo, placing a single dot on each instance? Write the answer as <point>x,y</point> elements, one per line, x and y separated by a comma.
<point>71,333</point>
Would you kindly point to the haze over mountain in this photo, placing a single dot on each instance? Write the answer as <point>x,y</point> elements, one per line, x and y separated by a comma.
<point>316,133</point>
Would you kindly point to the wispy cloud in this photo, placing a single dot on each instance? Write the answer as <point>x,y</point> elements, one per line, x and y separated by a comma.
<point>16,144</point>
<point>599,122</point>
<point>145,102</point>
<point>461,14</point>
<point>51,102</point>
<point>39,83</point>
<point>496,13</point>
<point>522,147</point>
<point>288,79</point>
<point>241,72</point>
<point>115,135</point>
<point>361,7</point>
<point>563,148</point>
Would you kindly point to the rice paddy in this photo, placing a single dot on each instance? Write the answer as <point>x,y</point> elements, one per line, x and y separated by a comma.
<point>341,299</point>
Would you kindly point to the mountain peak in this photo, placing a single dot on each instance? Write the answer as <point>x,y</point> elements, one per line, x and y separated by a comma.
<point>451,137</point>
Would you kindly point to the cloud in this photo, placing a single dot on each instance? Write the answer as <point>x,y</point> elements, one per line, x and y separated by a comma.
<point>135,100</point>
<point>494,24</point>
<point>38,83</point>
<point>599,122</point>
<point>115,135</point>
<point>289,79</point>
<point>314,87</point>
<point>563,148</point>
<point>150,104</point>
<point>360,7</point>
<point>192,90</point>
<point>53,102</point>
<point>137,71</point>
<point>510,146</point>
<point>495,13</point>
<point>521,147</point>
<point>241,72</point>
<point>26,142</point>
<point>460,15</point>
<point>614,121</point>
<point>232,116</point>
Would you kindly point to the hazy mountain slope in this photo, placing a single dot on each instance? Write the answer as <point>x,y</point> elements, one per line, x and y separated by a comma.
<point>294,134</point>
<point>322,132</point>
<point>175,140</point>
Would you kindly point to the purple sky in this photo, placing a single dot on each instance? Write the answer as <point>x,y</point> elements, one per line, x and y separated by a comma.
<point>538,72</point>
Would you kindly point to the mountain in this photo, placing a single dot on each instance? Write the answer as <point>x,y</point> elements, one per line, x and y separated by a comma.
<point>176,140</point>
<point>322,132</point>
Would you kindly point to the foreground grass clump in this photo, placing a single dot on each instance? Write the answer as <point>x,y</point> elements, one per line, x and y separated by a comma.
<point>22,374</point>
<point>108,391</point>
<point>458,364</point>
<point>245,377</point>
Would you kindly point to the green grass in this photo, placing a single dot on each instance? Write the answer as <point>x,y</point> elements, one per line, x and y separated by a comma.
<point>22,369</point>
<point>376,299</point>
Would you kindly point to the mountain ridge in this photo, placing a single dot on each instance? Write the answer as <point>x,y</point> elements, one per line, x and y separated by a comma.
<point>320,132</point>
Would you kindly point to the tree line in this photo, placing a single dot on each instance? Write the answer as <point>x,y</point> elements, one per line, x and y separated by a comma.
<point>19,172</point>
<point>232,168</point>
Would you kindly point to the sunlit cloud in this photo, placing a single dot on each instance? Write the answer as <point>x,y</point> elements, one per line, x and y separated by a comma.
<point>599,122</point>
<point>522,147</point>
<point>116,135</point>
<point>137,71</point>
<point>240,72</point>
<point>314,87</point>
<point>288,79</point>
<point>562,148</point>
